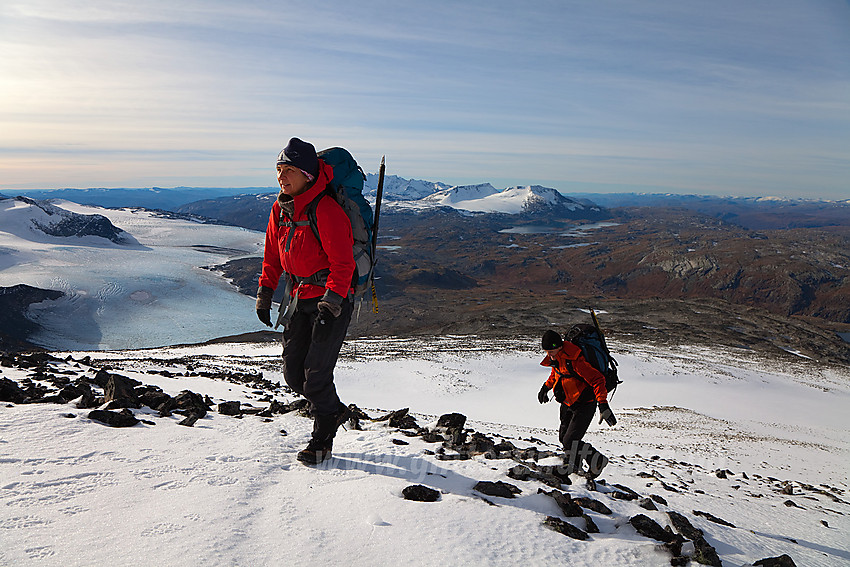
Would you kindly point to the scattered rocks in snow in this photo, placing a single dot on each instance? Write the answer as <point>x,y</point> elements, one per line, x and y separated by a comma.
<point>498,488</point>
<point>420,493</point>
<point>562,527</point>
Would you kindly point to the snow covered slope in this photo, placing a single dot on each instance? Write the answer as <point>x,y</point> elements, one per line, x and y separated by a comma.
<point>712,435</point>
<point>144,287</point>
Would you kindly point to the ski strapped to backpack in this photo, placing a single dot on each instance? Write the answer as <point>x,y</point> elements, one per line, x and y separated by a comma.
<point>346,188</point>
<point>591,341</point>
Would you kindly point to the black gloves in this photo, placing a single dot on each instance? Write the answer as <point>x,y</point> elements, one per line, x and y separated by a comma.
<point>560,394</point>
<point>606,414</point>
<point>543,394</point>
<point>329,308</point>
<point>264,305</point>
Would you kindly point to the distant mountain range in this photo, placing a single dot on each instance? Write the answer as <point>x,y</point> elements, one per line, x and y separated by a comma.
<point>755,213</point>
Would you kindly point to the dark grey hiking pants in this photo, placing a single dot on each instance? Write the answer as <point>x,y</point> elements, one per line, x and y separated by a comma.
<point>575,420</point>
<point>308,365</point>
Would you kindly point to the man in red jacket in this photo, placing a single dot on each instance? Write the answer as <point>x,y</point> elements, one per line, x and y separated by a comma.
<point>318,274</point>
<point>578,386</point>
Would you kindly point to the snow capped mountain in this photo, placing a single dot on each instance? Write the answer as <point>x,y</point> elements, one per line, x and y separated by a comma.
<point>399,189</point>
<point>138,285</point>
<point>35,220</point>
<point>484,198</point>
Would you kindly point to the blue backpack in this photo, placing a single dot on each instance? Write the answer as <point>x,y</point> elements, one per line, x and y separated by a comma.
<point>594,349</point>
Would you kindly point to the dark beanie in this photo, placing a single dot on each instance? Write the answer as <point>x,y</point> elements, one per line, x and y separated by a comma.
<point>552,340</point>
<point>300,154</point>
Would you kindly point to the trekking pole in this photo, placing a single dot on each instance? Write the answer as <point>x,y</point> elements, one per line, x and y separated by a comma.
<point>380,194</point>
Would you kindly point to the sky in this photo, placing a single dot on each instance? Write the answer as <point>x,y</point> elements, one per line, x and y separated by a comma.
<point>683,96</point>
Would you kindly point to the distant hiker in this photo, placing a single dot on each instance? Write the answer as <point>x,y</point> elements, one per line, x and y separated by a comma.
<point>578,387</point>
<point>318,274</point>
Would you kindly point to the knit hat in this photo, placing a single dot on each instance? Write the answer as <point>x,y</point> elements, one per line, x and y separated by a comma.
<point>300,154</point>
<point>552,340</point>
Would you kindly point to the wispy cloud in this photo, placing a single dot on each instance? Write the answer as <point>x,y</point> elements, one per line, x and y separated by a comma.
<point>692,96</point>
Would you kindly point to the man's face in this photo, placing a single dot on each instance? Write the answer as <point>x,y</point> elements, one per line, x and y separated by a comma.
<point>552,352</point>
<point>291,180</point>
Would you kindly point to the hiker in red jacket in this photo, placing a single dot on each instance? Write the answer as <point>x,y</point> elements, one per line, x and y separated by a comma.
<point>318,275</point>
<point>578,386</point>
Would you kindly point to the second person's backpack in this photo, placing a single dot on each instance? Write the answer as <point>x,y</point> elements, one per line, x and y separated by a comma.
<point>593,348</point>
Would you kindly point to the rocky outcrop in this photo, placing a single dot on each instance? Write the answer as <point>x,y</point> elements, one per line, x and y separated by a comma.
<point>15,327</point>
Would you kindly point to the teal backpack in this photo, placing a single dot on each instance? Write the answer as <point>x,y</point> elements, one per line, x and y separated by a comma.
<point>347,189</point>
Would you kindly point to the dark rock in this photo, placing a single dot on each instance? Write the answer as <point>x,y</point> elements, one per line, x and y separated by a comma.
<point>591,528</point>
<point>703,551</point>
<point>187,403</point>
<point>190,420</point>
<point>647,504</point>
<point>11,392</point>
<point>648,527</point>
<point>74,391</point>
<point>101,378</point>
<point>520,472</point>
<point>658,499</point>
<point>399,442</point>
<point>113,418</point>
<point>713,518</point>
<point>781,561</point>
<point>567,505</point>
<point>121,389</point>
<point>565,528</point>
<point>229,408</point>
<point>792,504</point>
<point>592,504</point>
<point>498,488</point>
<point>452,421</point>
<point>420,493</point>
<point>154,398</point>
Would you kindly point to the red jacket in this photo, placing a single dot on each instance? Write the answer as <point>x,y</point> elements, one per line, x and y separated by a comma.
<point>306,255</point>
<point>576,383</point>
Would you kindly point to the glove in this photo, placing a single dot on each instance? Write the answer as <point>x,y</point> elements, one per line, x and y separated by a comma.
<point>560,395</point>
<point>606,414</point>
<point>543,395</point>
<point>264,305</point>
<point>329,308</point>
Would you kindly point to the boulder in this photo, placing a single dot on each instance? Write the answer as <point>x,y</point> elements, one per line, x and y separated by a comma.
<point>230,408</point>
<point>565,528</point>
<point>114,418</point>
<point>781,561</point>
<point>420,493</point>
<point>498,488</point>
<point>592,504</point>
<point>11,392</point>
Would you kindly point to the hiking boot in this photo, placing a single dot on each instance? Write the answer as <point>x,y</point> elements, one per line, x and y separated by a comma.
<point>315,452</point>
<point>596,461</point>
